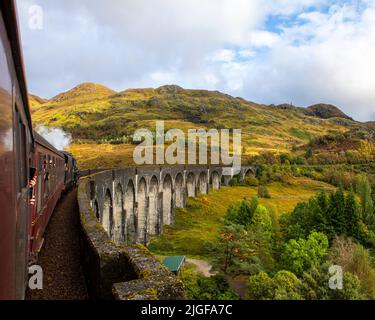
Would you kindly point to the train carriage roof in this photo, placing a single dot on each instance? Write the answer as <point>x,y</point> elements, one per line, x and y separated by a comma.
<point>43,142</point>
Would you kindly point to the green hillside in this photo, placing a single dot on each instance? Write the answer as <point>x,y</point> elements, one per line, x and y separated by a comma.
<point>94,115</point>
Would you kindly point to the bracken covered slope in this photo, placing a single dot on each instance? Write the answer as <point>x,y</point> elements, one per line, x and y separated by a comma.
<point>94,114</point>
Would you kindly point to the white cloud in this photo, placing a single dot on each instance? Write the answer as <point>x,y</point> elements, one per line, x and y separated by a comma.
<point>261,38</point>
<point>246,54</point>
<point>331,62</point>
<point>323,54</point>
<point>162,77</point>
<point>224,55</point>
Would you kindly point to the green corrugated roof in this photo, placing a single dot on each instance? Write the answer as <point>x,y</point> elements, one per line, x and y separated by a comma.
<point>174,263</point>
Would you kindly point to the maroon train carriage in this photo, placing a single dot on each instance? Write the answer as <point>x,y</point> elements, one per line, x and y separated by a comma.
<point>49,175</point>
<point>71,171</point>
<point>16,144</point>
<point>33,174</point>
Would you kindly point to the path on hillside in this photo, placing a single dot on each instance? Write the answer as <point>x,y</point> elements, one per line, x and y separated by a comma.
<point>59,257</point>
<point>202,266</point>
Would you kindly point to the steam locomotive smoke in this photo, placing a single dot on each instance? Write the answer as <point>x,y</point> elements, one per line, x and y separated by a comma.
<point>55,136</point>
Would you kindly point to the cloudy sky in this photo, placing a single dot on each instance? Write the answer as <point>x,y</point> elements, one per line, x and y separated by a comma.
<point>267,51</point>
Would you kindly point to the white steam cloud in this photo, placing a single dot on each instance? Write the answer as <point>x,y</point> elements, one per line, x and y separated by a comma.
<point>55,136</point>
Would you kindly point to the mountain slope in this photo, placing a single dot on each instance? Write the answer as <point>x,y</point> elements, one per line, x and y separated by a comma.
<point>84,92</point>
<point>326,111</point>
<point>36,102</point>
<point>95,114</point>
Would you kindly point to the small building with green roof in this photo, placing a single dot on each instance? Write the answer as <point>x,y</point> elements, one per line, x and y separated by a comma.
<point>174,263</point>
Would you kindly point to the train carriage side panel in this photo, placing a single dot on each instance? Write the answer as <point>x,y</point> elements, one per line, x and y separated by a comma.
<point>70,171</point>
<point>49,186</point>
<point>15,151</point>
<point>7,181</point>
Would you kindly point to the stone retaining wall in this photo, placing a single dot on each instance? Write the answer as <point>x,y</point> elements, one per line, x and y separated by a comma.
<point>119,271</point>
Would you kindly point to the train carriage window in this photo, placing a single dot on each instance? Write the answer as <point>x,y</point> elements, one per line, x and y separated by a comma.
<point>24,176</point>
<point>48,176</point>
<point>45,177</point>
<point>17,150</point>
<point>20,143</point>
<point>40,182</point>
<point>54,171</point>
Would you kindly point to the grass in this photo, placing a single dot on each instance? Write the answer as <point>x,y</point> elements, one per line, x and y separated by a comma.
<point>300,134</point>
<point>91,155</point>
<point>201,219</point>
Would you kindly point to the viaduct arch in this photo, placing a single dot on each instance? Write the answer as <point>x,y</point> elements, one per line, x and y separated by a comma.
<point>133,204</point>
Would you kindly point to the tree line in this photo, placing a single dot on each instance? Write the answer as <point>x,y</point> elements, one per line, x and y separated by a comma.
<point>289,257</point>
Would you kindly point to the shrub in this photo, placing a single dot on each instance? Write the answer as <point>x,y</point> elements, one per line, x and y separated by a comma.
<point>241,213</point>
<point>351,289</point>
<point>263,192</point>
<point>199,287</point>
<point>285,158</point>
<point>342,251</point>
<point>251,181</point>
<point>339,178</point>
<point>284,286</point>
<point>300,255</point>
<point>261,287</point>
<point>288,286</point>
<point>236,181</point>
<point>359,264</point>
<point>299,160</point>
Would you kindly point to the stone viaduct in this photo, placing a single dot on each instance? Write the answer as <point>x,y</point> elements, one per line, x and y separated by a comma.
<point>119,211</point>
<point>133,204</point>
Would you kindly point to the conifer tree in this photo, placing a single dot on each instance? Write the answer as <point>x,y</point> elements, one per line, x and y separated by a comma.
<point>336,212</point>
<point>367,205</point>
<point>318,218</point>
<point>243,212</point>
<point>352,216</point>
<point>323,201</point>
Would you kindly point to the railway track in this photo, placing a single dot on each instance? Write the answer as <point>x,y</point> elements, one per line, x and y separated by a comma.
<point>59,258</point>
